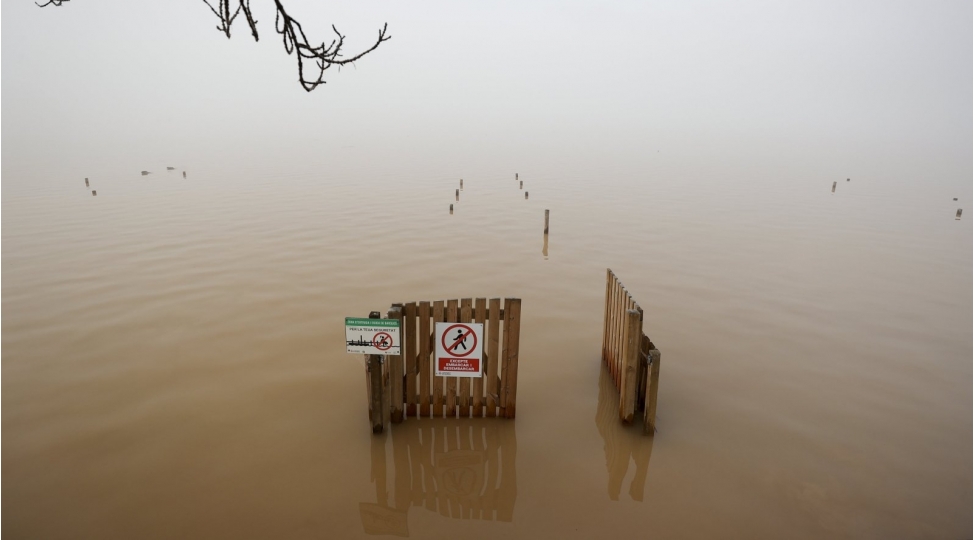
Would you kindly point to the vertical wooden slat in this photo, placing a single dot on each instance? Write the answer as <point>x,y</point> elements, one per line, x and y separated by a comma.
<point>396,372</point>
<point>464,383</point>
<point>650,411</point>
<point>493,329</point>
<point>606,302</point>
<point>374,363</point>
<point>641,378</point>
<point>617,326</point>
<point>452,316</point>
<point>631,352</point>
<point>424,359</point>
<point>512,334</point>
<point>409,353</point>
<point>438,397</point>
<point>480,312</point>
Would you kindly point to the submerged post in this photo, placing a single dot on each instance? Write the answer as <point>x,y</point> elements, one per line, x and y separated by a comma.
<point>521,184</point>
<point>516,176</point>
<point>461,183</point>
<point>834,187</point>
<point>184,174</point>
<point>451,209</point>
<point>86,184</point>
<point>958,214</point>
<point>546,221</point>
<point>653,381</point>
<point>95,193</point>
<point>374,371</point>
<point>526,195</point>
<point>456,194</point>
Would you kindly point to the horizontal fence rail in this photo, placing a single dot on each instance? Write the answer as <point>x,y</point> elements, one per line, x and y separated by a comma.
<point>631,358</point>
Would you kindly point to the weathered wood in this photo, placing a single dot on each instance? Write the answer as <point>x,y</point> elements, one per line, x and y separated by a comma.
<point>464,383</point>
<point>438,389</point>
<point>480,315</point>
<point>546,221</point>
<point>375,387</point>
<point>631,357</point>
<point>512,333</point>
<point>650,410</point>
<point>453,315</point>
<point>641,378</point>
<point>409,355</point>
<point>424,359</point>
<point>606,307</point>
<point>395,369</point>
<point>493,329</point>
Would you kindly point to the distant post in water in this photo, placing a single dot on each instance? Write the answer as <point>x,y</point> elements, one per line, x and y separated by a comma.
<point>374,371</point>
<point>451,209</point>
<point>456,194</point>
<point>461,183</point>
<point>847,179</point>
<point>516,176</point>
<point>521,184</point>
<point>95,194</point>
<point>184,174</point>
<point>834,187</point>
<point>546,221</point>
<point>958,214</point>
<point>526,195</point>
<point>86,184</point>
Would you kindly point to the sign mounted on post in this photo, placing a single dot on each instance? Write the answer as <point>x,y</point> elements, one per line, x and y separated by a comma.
<point>372,336</point>
<point>459,349</point>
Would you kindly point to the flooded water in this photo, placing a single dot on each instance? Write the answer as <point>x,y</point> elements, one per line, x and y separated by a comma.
<point>174,360</point>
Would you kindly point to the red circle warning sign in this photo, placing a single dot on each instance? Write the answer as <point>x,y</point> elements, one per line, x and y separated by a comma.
<point>459,340</point>
<point>382,341</point>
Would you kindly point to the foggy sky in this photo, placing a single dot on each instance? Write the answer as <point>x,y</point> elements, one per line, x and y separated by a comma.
<point>831,88</point>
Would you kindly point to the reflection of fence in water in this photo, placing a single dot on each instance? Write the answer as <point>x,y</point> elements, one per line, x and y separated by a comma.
<point>620,443</point>
<point>460,469</point>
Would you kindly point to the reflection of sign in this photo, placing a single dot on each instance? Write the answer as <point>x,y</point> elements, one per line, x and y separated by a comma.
<point>372,336</point>
<point>460,472</point>
<point>382,520</point>
<point>459,349</point>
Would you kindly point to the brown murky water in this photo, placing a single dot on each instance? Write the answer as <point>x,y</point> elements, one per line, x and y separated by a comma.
<point>174,366</point>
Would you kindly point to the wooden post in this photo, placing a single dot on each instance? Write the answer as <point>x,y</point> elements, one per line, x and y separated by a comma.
<point>184,174</point>
<point>834,187</point>
<point>451,209</point>
<point>409,354</point>
<point>526,195</point>
<point>521,185</point>
<point>396,371</point>
<point>456,194</point>
<point>509,370</point>
<point>375,369</point>
<point>95,193</point>
<point>847,179</point>
<point>424,359</point>
<point>957,214</point>
<point>86,182</point>
<point>461,183</point>
<point>650,411</point>
<point>546,221</point>
<point>480,314</point>
<point>631,356</point>
<point>516,176</point>
<point>438,389</point>
<point>609,285</point>
<point>493,328</point>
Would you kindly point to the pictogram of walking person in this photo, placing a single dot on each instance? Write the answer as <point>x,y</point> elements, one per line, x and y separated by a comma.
<point>460,340</point>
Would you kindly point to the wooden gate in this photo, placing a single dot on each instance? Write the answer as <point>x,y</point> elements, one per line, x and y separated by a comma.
<point>408,386</point>
<point>632,359</point>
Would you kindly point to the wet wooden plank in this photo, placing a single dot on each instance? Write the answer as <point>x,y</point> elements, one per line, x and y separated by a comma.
<point>512,336</point>
<point>650,411</point>
<point>477,391</point>
<point>606,311</point>
<point>631,357</point>
<point>464,383</point>
<point>409,353</point>
<point>493,330</point>
<point>438,389</point>
<point>424,359</point>
<point>396,372</point>
<point>453,315</point>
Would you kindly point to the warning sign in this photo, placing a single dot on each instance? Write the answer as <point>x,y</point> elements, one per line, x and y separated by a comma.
<point>372,336</point>
<point>459,349</point>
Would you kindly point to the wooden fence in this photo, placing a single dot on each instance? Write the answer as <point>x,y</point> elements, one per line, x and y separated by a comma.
<point>408,386</point>
<point>632,359</point>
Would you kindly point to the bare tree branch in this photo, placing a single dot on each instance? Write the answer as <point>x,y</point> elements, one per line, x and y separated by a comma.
<point>295,41</point>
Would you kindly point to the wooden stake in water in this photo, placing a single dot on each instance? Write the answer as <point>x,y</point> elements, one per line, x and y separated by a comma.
<point>374,370</point>
<point>847,179</point>
<point>461,183</point>
<point>86,184</point>
<point>451,209</point>
<point>516,176</point>
<point>955,199</point>
<point>456,194</point>
<point>184,174</point>
<point>95,193</point>
<point>546,221</point>
<point>834,187</point>
<point>521,184</point>
<point>958,214</point>
<point>526,195</point>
